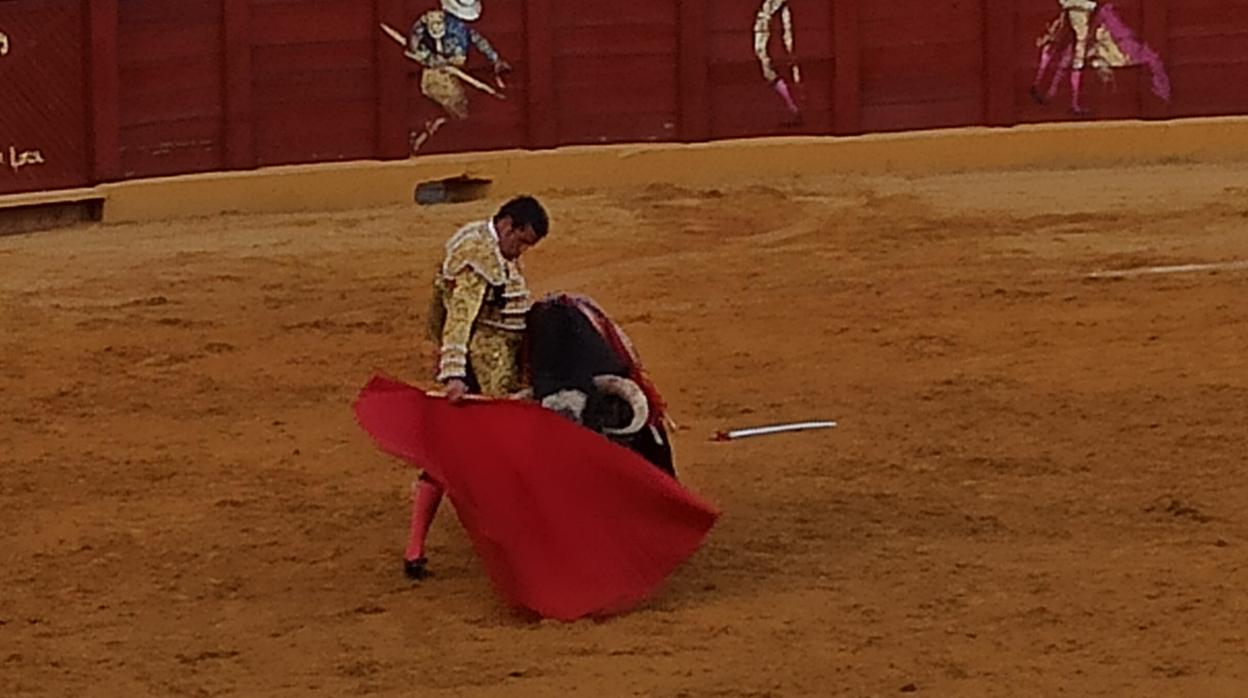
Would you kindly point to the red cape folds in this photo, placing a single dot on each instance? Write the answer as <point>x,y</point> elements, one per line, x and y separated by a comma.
<point>567,523</point>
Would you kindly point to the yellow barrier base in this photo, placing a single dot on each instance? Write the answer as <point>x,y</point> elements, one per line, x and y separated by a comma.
<point>361,184</point>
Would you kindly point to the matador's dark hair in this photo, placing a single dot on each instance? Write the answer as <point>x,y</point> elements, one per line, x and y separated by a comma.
<point>525,210</point>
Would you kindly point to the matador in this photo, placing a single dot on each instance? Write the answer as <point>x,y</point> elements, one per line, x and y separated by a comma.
<point>477,319</point>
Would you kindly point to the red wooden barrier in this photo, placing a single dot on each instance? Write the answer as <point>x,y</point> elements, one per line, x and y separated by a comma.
<point>104,89</point>
<point>1208,56</point>
<point>845,22</point>
<point>694,47</point>
<point>170,86</point>
<point>543,126</point>
<point>392,138</point>
<point>239,136</point>
<point>101,90</point>
<point>42,120</point>
<point>1000,37</point>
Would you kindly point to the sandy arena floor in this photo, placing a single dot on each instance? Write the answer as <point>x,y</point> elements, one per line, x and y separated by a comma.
<point>1038,487</point>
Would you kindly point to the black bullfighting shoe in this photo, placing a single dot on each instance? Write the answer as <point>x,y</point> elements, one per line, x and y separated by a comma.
<point>417,569</point>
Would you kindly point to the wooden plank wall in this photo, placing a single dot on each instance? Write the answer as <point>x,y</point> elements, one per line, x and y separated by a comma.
<point>114,89</point>
<point>313,83</point>
<point>42,120</point>
<point>1206,47</point>
<point>922,64</point>
<point>169,87</point>
<point>615,70</point>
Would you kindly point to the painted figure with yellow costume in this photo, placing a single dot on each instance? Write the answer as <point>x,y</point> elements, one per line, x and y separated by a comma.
<point>1090,34</point>
<point>440,40</point>
<point>477,319</point>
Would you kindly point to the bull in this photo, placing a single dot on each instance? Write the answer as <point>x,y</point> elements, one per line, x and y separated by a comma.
<point>582,366</point>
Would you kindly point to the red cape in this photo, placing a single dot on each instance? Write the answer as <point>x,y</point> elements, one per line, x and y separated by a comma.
<point>567,523</point>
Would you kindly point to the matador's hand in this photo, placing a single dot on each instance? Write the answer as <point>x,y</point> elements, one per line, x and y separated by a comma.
<point>456,391</point>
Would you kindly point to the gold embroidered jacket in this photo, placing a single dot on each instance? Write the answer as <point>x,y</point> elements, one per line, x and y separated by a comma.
<point>480,300</point>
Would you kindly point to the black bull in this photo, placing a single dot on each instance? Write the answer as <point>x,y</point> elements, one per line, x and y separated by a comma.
<point>576,372</point>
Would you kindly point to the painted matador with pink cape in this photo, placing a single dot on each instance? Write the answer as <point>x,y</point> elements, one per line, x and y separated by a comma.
<point>1090,34</point>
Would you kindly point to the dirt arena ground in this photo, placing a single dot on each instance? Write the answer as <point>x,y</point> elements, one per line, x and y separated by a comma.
<point>1038,485</point>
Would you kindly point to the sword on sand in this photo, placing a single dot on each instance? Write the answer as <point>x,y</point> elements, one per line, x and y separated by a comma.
<point>775,429</point>
<point>453,70</point>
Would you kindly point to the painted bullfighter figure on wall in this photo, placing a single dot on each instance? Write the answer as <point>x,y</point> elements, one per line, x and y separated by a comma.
<point>1090,34</point>
<point>762,50</point>
<point>440,40</point>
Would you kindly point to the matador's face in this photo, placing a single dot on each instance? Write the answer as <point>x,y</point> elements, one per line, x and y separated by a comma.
<point>512,240</point>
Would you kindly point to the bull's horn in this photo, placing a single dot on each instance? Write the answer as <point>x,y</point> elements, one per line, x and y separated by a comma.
<point>630,392</point>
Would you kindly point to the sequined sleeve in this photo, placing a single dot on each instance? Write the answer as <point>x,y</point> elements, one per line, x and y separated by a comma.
<point>467,292</point>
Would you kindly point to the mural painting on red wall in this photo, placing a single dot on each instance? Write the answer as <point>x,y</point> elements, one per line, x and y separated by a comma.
<point>1090,34</point>
<point>442,40</point>
<point>763,23</point>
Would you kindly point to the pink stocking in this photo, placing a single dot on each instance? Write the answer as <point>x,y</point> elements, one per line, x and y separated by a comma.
<point>782,89</point>
<point>1076,83</point>
<point>1046,57</point>
<point>426,495</point>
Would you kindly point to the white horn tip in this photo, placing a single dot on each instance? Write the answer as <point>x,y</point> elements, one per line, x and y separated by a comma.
<point>630,392</point>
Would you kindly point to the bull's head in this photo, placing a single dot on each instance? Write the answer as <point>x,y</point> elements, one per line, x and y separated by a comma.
<point>616,406</point>
<point>579,373</point>
<point>576,372</point>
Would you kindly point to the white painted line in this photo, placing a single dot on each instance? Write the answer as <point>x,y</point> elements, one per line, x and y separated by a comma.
<point>1178,269</point>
